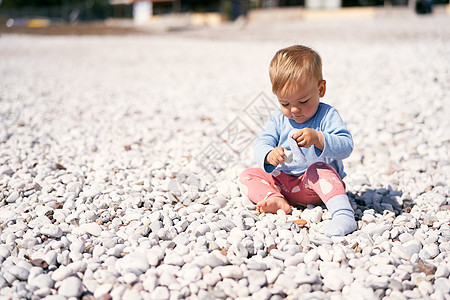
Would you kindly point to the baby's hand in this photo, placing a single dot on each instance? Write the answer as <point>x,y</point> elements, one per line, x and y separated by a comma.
<point>276,156</point>
<point>308,137</point>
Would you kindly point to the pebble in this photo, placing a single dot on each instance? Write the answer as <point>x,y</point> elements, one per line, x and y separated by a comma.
<point>257,278</point>
<point>19,272</point>
<point>130,278</point>
<point>6,170</point>
<point>154,256</point>
<point>51,230</point>
<point>71,287</point>
<point>231,272</point>
<point>272,275</point>
<point>339,254</point>
<point>378,282</point>
<point>173,259</point>
<point>442,285</point>
<point>325,254</point>
<point>256,263</point>
<point>218,201</point>
<point>212,278</point>
<point>442,271</point>
<point>377,229</point>
<point>311,256</point>
<point>102,290</point>
<point>401,252</point>
<point>279,254</point>
<point>13,197</point>
<point>131,294</point>
<point>425,288</point>
<point>294,260</point>
<point>61,273</point>
<point>313,215</point>
<point>92,228</point>
<point>134,262</point>
<point>405,237</point>
<point>77,246</point>
<point>285,282</point>
<point>426,267</point>
<point>161,292</point>
<point>336,279</point>
<point>412,247</point>
<point>384,270</point>
<point>214,259</point>
<point>304,278</point>
<point>150,283</point>
<point>42,281</point>
<point>432,250</point>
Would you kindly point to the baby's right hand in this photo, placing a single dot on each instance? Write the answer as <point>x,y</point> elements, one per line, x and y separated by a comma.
<point>276,156</point>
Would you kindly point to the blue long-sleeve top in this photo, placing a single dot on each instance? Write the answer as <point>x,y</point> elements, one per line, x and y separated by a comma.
<point>338,142</point>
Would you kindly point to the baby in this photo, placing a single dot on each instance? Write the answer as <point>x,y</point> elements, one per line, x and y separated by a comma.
<point>300,151</point>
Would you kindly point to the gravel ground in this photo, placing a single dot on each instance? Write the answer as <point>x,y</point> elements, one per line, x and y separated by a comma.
<point>119,159</point>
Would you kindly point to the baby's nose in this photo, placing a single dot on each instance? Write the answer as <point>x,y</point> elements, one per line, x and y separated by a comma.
<point>294,109</point>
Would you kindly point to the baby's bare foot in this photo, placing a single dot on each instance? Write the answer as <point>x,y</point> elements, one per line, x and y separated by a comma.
<point>273,204</point>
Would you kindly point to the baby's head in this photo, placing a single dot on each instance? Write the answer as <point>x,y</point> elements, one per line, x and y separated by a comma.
<point>296,76</point>
<point>293,66</point>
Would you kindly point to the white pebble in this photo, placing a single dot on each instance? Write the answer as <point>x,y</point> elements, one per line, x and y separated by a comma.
<point>160,293</point>
<point>19,272</point>
<point>311,256</point>
<point>383,270</point>
<point>431,249</point>
<point>102,290</point>
<point>71,287</point>
<point>285,282</point>
<point>51,230</point>
<point>61,273</point>
<point>134,262</point>
<point>231,272</point>
<point>13,197</point>
<point>42,281</point>
<point>174,259</point>
<point>92,228</point>
<point>77,246</point>
<point>211,278</point>
<point>441,271</point>
<point>150,283</point>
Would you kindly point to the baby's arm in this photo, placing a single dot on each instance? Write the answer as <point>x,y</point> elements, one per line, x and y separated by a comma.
<point>338,142</point>
<point>275,156</point>
<point>266,142</point>
<point>332,139</point>
<point>308,137</point>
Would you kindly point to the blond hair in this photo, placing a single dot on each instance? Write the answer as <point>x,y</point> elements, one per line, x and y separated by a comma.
<point>293,66</point>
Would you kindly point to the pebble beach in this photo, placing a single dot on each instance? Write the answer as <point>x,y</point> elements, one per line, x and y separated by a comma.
<point>120,157</point>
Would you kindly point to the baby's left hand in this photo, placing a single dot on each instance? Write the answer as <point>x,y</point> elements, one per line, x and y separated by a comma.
<point>308,137</point>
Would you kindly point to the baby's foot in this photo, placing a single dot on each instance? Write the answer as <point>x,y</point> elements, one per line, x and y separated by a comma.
<point>343,218</point>
<point>273,204</point>
<point>341,225</point>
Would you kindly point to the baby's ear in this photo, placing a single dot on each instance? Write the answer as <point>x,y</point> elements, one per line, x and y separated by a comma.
<point>322,88</point>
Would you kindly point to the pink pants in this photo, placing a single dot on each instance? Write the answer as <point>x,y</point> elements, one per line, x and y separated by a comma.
<point>316,186</point>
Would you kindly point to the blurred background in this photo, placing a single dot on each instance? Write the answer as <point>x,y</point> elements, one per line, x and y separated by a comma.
<point>43,13</point>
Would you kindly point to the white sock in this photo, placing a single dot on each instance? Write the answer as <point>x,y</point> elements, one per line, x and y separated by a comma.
<point>289,157</point>
<point>343,220</point>
<point>297,153</point>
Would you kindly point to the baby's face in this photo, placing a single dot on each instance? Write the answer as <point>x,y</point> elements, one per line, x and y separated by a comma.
<point>302,104</point>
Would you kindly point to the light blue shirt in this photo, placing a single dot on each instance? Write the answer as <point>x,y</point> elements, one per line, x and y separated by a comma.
<point>337,139</point>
